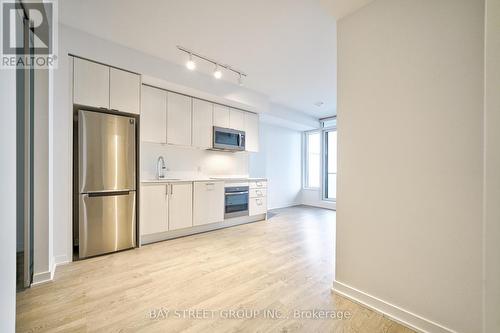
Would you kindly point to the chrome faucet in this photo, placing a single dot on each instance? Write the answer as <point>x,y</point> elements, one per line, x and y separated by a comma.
<point>160,168</point>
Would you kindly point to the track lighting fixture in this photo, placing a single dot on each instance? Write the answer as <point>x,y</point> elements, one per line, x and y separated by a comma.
<point>217,73</point>
<point>190,64</point>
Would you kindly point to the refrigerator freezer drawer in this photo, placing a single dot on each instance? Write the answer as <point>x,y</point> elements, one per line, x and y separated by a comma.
<point>107,223</point>
<point>106,152</point>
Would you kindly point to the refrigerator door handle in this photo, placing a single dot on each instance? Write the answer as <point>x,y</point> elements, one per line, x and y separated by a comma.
<point>108,193</point>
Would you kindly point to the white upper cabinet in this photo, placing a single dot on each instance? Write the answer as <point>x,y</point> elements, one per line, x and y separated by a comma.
<point>221,116</point>
<point>202,123</point>
<point>208,202</point>
<point>125,91</point>
<point>90,83</point>
<point>252,131</point>
<point>180,213</point>
<point>100,86</point>
<point>153,115</point>
<point>237,119</point>
<point>154,209</point>
<point>179,119</point>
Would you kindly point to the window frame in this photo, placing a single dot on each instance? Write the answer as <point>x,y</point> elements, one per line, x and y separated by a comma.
<point>324,157</point>
<point>305,160</point>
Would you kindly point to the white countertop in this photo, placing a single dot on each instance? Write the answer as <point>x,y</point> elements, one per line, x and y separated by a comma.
<point>203,179</point>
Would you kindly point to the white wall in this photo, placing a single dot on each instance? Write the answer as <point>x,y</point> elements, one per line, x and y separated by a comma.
<point>410,124</point>
<point>85,45</point>
<point>279,160</point>
<point>8,201</point>
<point>492,167</point>
<point>41,239</point>
<point>191,162</point>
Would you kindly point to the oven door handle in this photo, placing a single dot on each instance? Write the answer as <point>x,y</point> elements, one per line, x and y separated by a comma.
<point>237,193</point>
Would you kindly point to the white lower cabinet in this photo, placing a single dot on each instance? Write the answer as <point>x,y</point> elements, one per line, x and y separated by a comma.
<point>257,206</point>
<point>257,203</point>
<point>208,204</point>
<point>180,212</point>
<point>165,207</point>
<point>182,205</point>
<point>154,208</point>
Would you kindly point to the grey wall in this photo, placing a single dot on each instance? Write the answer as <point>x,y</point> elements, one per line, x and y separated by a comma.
<point>41,235</point>
<point>410,123</point>
<point>8,201</point>
<point>492,166</point>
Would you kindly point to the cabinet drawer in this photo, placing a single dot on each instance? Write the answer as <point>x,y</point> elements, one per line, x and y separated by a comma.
<point>257,206</point>
<point>258,192</point>
<point>258,184</point>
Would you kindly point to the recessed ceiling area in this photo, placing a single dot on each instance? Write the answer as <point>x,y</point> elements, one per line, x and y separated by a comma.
<point>287,48</point>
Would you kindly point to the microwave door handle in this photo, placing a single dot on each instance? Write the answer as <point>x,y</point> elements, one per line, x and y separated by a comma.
<point>239,140</point>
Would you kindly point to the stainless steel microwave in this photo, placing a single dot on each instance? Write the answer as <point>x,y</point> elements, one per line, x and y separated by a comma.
<point>228,139</point>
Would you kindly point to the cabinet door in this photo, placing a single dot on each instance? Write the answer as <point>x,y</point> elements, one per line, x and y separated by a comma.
<point>180,213</point>
<point>179,119</point>
<point>153,115</point>
<point>252,131</point>
<point>237,119</point>
<point>257,206</point>
<point>202,124</point>
<point>208,204</point>
<point>153,209</point>
<point>221,116</point>
<point>90,83</point>
<point>124,91</point>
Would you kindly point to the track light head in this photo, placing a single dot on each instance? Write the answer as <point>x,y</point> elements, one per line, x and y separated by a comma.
<point>240,80</point>
<point>217,72</point>
<point>190,64</point>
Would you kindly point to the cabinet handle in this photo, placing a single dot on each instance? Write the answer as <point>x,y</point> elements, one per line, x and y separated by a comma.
<point>171,189</point>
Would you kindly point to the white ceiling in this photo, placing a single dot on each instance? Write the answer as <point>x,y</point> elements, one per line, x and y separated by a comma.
<point>287,48</point>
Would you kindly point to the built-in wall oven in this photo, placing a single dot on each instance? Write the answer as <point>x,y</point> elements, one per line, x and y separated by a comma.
<point>236,200</point>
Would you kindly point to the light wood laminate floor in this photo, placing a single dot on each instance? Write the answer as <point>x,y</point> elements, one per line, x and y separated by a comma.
<point>282,265</point>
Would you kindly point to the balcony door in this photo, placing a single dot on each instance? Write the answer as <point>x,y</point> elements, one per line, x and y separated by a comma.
<point>329,168</point>
<point>330,165</point>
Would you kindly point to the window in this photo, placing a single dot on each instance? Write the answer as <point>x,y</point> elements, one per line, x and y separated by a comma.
<point>313,160</point>
<point>329,131</point>
<point>330,173</point>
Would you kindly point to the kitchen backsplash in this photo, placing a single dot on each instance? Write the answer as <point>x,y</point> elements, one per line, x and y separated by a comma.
<point>191,162</point>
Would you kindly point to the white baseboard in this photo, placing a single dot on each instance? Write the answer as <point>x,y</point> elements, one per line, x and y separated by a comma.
<point>389,310</point>
<point>284,205</point>
<point>320,204</point>
<point>42,277</point>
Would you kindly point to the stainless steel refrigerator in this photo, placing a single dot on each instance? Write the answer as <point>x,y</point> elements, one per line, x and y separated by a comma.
<point>106,183</point>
